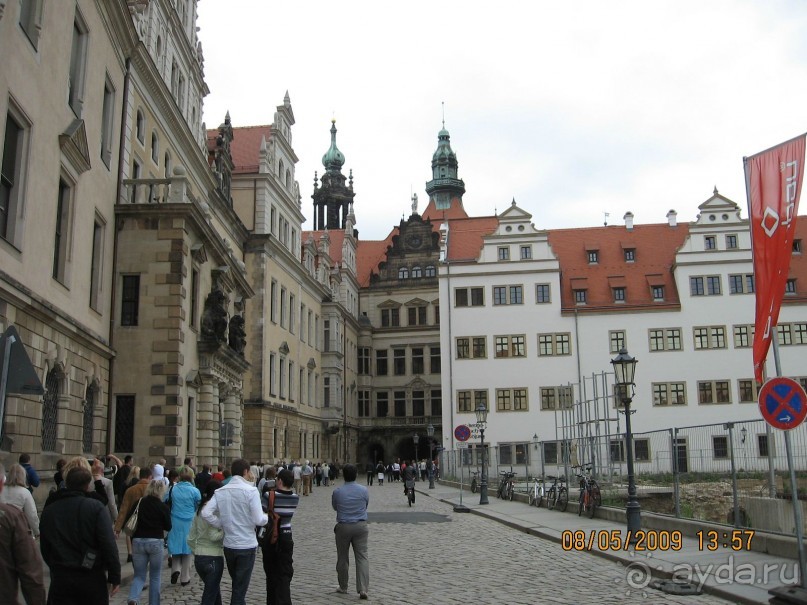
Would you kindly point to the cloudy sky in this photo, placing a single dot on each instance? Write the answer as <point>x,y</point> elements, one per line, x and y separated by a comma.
<point>574,109</point>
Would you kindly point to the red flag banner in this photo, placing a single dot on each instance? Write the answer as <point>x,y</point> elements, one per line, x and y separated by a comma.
<point>773,182</point>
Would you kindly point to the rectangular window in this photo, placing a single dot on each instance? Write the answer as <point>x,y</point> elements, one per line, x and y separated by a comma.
<point>481,398</point>
<point>520,403</point>
<point>381,363</point>
<point>800,333</point>
<point>326,388</point>
<point>499,295</point>
<point>364,360</point>
<point>477,297</point>
<point>107,122</point>
<point>302,323</point>
<point>516,295</point>
<point>382,404</point>
<point>364,404</point>
<point>630,255</point>
<point>617,450</point>
<point>665,339</point>
<point>96,263</point>
<point>504,253</point>
<point>31,20</point>
<point>272,374</point>
<point>554,344</point>
<point>284,307</point>
<point>658,293</point>
<point>617,340</point>
<point>555,398</point>
<point>710,337</point>
<point>542,293</point>
<point>391,317</point>
<point>437,402</point>
<point>669,393</point>
<point>731,242</point>
<point>474,297</point>
<point>580,297</point>
<point>273,301</point>
<point>710,242</point>
<point>743,336</point>
<point>464,402</point>
<point>502,347</point>
<point>61,235</point>
<point>130,301</point>
<point>508,295</point>
<point>194,314</point>
<point>748,390</point>
<point>418,364</point>
<point>292,312</point>
<point>479,347</point>
<point>11,176</point>
<point>291,381</point>
<point>326,336</point>
<point>283,382</point>
<point>762,444</point>
<point>696,286</point>
<point>124,423</point>
<point>784,335</point>
<point>436,315</point>
<point>790,286</point>
<point>434,358</point>
<point>461,297</point>
<point>400,404</point>
<point>526,252</point>
<point>463,348</point>
<point>641,450</point>
<point>78,65</point>
<point>593,256</point>
<point>419,403</point>
<point>720,447</point>
<point>619,294</point>
<point>713,285</point>
<point>503,400</point>
<point>716,391</point>
<point>399,362</point>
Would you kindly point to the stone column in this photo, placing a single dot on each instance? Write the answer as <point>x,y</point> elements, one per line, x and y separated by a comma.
<point>207,422</point>
<point>232,413</point>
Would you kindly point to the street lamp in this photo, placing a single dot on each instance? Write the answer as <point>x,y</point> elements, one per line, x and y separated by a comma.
<point>624,371</point>
<point>416,439</point>
<point>430,433</point>
<point>481,420</point>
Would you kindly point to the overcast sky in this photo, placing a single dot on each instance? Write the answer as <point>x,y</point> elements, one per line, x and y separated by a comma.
<point>574,109</point>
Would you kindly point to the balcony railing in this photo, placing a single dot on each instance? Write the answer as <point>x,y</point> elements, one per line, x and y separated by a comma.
<point>401,421</point>
<point>146,191</point>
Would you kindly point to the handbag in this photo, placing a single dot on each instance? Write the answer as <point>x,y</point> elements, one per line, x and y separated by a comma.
<point>131,524</point>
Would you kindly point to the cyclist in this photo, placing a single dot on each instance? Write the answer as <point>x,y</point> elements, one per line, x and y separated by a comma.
<point>409,479</point>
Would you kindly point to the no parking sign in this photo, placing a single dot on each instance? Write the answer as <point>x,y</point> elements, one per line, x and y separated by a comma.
<point>783,403</point>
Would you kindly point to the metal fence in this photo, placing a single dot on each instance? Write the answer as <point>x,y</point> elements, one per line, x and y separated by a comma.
<point>732,473</point>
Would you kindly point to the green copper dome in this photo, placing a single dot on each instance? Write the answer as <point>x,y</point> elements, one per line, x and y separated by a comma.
<point>444,151</point>
<point>333,160</point>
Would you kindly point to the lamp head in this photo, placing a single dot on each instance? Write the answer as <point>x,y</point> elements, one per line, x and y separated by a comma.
<point>624,368</point>
<point>481,413</point>
<point>416,438</point>
<point>430,430</point>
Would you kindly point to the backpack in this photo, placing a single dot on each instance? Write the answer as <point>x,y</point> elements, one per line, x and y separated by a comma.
<point>267,535</point>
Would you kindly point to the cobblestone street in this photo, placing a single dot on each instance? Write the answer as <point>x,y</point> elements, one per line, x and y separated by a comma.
<point>428,555</point>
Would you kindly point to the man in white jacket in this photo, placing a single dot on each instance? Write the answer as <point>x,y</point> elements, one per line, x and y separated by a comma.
<point>236,508</point>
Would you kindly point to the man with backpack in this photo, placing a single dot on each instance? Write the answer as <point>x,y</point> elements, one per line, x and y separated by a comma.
<point>278,545</point>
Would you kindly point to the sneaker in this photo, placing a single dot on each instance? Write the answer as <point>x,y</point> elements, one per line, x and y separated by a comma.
<point>363,596</point>
<point>341,590</point>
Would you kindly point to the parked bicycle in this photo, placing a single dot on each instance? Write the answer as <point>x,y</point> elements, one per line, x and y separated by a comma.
<point>557,497</point>
<point>590,496</point>
<point>506,485</point>
<point>475,481</point>
<point>536,495</point>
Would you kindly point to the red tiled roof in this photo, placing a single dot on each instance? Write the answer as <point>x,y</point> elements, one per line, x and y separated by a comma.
<point>456,211</point>
<point>655,248</point>
<point>245,147</point>
<point>465,236</point>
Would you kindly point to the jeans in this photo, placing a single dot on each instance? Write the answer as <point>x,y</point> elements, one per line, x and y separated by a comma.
<point>278,565</point>
<point>210,570</point>
<point>147,556</point>
<point>240,562</point>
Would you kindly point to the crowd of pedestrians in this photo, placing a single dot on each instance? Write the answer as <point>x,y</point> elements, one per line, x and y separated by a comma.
<point>209,519</point>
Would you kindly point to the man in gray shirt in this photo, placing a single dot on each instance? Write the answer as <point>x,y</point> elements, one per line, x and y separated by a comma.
<point>350,503</point>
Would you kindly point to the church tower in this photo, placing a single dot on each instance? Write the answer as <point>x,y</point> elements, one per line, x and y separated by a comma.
<point>333,198</point>
<point>445,186</point>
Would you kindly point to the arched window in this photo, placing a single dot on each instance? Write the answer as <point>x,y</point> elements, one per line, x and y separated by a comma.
<point>89,416</point>
<point>140,128</point>
<point>417,272</point>
<point>430,272</point>
<point>155,147</point>
<point>288,178</point>
<point>403,273</point>
<point>280,169</point>
<point>50,410</point>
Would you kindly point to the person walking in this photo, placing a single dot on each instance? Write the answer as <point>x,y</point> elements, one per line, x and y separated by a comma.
<point>278,560</point>
<point>236,508</point>
<point>350,503</point>
<point>130,498</point>
<point>326,474</point>
<point>16,494</point>
<point>370,469</point>
<point>20,564</point>
<point>380,470</point>
<point>206,543</point>
<point>202,478</point>
<point>103,487</point>
<point>153,520</point>
<point>298,477</point>
<point>307,474</point>
<point>185,499</point>
<point>81,553</point>
<point>31,476</point>
<point>121,478</point>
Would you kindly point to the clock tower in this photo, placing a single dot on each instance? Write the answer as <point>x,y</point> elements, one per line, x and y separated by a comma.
<point>445,186</point>
<point>332,198</point>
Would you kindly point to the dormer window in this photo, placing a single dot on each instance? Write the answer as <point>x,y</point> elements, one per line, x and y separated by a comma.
<point>630,255</point>
<point>580,297</point>
<point>593,257</point>
<point>796,246</point>
<point>709,242</point>
<point>790,286</point>
<point>619,295</point>
<point>658,293</point>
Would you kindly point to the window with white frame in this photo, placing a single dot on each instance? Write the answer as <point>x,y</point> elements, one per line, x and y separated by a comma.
<point>471,347</point>
<point>510,400</point>
<point>526,252</point>
<point>617,340</point>
<point>747,390</point>
<point>556,398</point>
<point>580,297</point>
<point>710,242</point>
<point>508,295</point>
<point>510,346</point>
<point>658,293</point>
<point>665,339</point>
<point>78,64</point>
<point>554,344</point>
<point>542,294</point>
<point>714,391</point>
<point>504,252</point>
<point>61,239</point>
<point>709,337</point>
<point>12,174</point>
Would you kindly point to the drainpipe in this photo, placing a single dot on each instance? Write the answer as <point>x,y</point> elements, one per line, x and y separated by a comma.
<point>450,357</point>
<point>112,298</point>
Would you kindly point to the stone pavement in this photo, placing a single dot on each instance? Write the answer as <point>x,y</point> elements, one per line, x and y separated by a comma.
<point>429,554</point>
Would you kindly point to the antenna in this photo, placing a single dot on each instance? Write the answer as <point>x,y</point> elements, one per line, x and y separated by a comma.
<point>605,218</point>
<point>443,103</point>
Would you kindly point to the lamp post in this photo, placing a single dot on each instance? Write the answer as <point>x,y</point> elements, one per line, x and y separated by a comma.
<point>430,433</point>
<point>624,371</point>
<point>416,439</point>
<point>481,420</point>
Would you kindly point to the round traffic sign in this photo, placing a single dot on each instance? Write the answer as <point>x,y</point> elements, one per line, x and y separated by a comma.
<point>462,432</point>
<point>783,403</point>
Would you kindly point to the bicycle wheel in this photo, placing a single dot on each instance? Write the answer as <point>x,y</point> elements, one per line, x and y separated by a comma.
<point>539,499</point>
<point>511,490</point>
<point>581,503</point>
<point>563,499</point>
<point>531,496</point>
<point>594,500</point>
<point>473,485</point>
<point>551,498</point>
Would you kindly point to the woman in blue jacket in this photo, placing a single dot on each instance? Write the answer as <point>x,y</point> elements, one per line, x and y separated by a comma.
<point>183,498</point>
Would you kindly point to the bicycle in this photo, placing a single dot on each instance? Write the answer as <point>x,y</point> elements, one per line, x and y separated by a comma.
<point>410,491</point>
<point>474,482</point>
<point>536,495</point>
<point>557,497</point>
<point>590,496</point>
<point>506,485</point>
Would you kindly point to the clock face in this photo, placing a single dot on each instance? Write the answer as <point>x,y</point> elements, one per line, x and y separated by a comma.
<point>414,241</point>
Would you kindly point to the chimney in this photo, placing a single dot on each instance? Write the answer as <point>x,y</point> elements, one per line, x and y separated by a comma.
<point>628,218</point>
<point>672,218</point>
